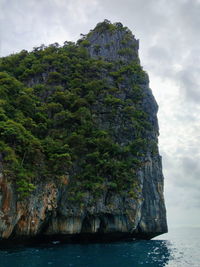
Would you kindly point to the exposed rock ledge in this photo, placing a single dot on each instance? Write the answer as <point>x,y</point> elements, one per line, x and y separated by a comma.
<point>47,213</point>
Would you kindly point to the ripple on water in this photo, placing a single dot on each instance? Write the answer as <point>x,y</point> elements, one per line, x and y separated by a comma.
<point>173,251</point>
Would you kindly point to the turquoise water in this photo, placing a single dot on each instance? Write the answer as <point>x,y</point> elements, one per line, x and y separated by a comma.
<point>181,247</point>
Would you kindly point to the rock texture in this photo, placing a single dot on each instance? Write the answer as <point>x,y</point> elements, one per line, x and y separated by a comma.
<point>48,211</point>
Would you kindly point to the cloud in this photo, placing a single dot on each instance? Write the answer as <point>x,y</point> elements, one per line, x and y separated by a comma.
<point>30,23</point>
<point>189,82</point>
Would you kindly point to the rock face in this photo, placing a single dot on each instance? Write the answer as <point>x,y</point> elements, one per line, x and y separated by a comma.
<point>48,211</point>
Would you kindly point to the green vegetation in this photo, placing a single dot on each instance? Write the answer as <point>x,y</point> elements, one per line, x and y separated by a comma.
<point>125,51</point>
<point>51,101</point>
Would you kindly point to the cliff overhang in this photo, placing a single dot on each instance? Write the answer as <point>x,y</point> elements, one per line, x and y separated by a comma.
<point>79,142</point>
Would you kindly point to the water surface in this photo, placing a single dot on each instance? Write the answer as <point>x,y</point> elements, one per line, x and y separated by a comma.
<point>178,248</point>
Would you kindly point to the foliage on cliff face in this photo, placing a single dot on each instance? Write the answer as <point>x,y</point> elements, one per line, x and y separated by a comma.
<point>50,101</point>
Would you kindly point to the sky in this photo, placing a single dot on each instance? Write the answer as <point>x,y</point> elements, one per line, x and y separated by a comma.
<point>169,51</point>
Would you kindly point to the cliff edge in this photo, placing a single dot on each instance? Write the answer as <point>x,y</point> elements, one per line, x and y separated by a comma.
<point>79,142</point>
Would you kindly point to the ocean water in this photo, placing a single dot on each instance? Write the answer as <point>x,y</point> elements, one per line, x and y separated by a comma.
<point>180,247</point>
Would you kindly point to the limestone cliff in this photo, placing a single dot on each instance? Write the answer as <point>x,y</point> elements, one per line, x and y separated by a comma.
<point>136,208</point>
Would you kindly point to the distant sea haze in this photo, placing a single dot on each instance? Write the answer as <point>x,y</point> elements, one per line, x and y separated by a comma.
<point>179,248</point>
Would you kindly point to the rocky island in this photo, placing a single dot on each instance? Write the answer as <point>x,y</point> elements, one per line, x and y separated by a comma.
<point>79,152</point>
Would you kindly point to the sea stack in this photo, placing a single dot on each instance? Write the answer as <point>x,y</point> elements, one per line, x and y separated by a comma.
<point>79,156</point>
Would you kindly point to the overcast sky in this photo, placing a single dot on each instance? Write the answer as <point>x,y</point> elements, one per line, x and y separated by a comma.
<point>169,33</point>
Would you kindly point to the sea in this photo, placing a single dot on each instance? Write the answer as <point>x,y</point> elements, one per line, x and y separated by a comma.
<point>179,248</point>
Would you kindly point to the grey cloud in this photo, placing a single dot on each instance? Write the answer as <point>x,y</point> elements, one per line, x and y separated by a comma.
<point>30,23</point>
<point>191,169</point>
<point>190,82</point>
<point>183,168</point>
<point>160,53</point>
<point>189,16</point>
